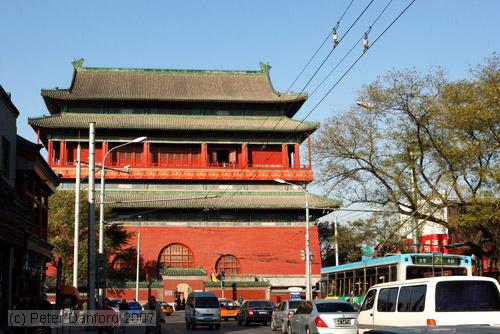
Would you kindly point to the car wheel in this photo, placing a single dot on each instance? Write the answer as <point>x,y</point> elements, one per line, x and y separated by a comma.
<point>217,326</point>
<point>210,326</point>
<point>283,327</point>
<point>289,330</point>
<point>193,325</point>
<point>273,325</point>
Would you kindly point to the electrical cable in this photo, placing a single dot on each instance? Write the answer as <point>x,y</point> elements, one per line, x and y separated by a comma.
<point>322,44</point>
<point>353,64</point>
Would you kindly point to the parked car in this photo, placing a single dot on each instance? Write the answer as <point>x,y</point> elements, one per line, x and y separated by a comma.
<point>324,316</point>
<point>202,308</point>
<point>282,313</point>
<point>464,329</point>
<point>253,311</point>
<point>135,307</point>
<point>435,301</point>
<point>228,309</point>
<point>166,308</point>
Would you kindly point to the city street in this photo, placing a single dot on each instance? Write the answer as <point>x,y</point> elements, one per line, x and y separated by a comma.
<point>175,325</point>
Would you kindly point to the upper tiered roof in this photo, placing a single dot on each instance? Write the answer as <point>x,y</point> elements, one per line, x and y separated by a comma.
<point>158,85</point>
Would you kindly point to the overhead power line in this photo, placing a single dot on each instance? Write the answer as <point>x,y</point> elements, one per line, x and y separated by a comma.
<point>354,64</point>
<point>321,46</point>
<point>331,52</point>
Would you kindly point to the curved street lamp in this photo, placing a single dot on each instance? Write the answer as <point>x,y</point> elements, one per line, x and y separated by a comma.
<point>308,249</point>
<point>101,201</point>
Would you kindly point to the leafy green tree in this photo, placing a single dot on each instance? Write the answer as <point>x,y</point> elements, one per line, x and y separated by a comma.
<point>417,144</point>
<point>375,232</point>
<point>61,232</point>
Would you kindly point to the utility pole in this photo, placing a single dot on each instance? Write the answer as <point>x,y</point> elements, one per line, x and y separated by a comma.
<point>138,260</point>
<point>336,242</point>
<point>77,216</point>
<point>91,224</point>
<point>308,252</point>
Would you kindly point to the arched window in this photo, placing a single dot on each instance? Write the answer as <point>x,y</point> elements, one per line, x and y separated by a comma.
<point>228,264</point>
<point>176,256</point>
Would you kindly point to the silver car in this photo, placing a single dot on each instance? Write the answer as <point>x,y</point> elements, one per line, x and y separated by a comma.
<point>283,313</point>
<point>324,316</point>
<point>202,308</point>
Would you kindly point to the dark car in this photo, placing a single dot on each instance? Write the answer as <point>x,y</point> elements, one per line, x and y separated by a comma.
<point>255,311</point>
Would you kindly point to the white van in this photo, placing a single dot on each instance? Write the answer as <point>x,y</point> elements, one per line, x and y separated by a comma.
<point>436,301</point>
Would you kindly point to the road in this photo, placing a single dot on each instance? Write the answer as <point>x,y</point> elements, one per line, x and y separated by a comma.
<point>175,325</point>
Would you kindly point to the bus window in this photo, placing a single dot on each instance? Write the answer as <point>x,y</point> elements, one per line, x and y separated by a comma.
<point>413,272</point>
<point>359,282</point>
<point>371,277</point>
<point>349,283</point>
<point>393,273</point>
<point>332,291</point>
<point>339,284</point>
<point>383,275</point>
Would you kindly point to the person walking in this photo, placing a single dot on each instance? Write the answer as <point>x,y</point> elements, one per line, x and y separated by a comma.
<point>123,307</point>
<point>152,305</point>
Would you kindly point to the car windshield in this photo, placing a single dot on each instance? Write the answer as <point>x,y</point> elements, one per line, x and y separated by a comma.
<point>334,307</point>
<point>260,303</point>
<point>463,296</point>
<point>206,302</point>
<point>294,304</point>
<point>113,303</point>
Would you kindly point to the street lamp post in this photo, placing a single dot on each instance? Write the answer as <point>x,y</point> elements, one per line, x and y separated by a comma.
<point>101,201</point>
<point>308,247</point>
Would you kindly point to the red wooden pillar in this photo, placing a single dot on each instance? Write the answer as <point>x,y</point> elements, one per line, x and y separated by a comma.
<point>62,153</point>
<point>50,152</point>
<point>284,156</point>
<point>296,156</point>
<point>244,155</point>
<point>146,158</point>
<point>104,150</point>
<point>309,153</point>
<point>204,155</point>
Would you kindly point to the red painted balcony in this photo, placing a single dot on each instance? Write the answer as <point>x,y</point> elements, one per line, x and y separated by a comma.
<point>188,161</point>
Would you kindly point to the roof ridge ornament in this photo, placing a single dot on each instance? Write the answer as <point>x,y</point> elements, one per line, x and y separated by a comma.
<point>264,67</point>
<point>77,63</point>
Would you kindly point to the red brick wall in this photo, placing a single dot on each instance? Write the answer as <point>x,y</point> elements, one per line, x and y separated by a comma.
<point>260,250</point>
<point>129,294</point>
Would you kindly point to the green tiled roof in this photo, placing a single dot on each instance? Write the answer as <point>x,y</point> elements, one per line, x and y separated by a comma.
<point>183,272</point>
<point>115,84</point>
<point>172,122</point>
<point>216,200</point>
<point>131,284</point>
<point>239,284</point>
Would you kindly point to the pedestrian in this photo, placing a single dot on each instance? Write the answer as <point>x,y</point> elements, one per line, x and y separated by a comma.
<point>178,303</point>
<point>109,315</point>
<point>123,307</point>
<point>183,303</point>
<point>152,305</point>
<point>240,300</point>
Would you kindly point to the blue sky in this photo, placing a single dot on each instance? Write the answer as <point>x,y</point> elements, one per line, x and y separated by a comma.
<point>41,38</point>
